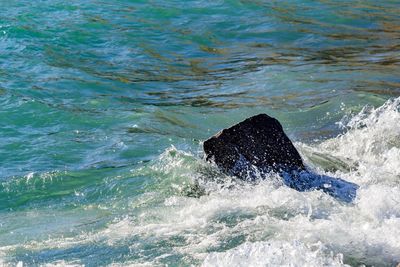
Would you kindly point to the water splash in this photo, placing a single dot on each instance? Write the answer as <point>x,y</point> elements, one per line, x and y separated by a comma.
<point>274,254</point>
<point>244,223</point>
<point>371,145</point>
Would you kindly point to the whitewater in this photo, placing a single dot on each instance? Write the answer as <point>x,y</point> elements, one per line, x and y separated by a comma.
<point>210,219</point>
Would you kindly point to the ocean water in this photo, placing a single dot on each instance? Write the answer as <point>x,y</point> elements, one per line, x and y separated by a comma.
<point>104,106</point>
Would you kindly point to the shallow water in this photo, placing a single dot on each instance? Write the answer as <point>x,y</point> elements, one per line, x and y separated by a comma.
<point>104,105</point>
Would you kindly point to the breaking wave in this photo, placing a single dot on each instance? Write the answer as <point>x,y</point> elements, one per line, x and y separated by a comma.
<point>193,214</point>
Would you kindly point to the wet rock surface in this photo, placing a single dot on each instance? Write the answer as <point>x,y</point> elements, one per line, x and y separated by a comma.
<point>259,141</point>
<point>257,146</point>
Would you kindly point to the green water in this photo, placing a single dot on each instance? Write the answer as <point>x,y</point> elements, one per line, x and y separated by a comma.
<point>104,105</point>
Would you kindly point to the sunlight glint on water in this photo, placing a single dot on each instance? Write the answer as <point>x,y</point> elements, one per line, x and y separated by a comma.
<point>104,107</point>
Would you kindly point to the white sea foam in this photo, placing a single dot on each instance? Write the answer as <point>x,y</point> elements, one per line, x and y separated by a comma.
<point>371,144</point>
<point>364,232</point>
<point>235,224</point>
<point>273,253</point>
<point>3,261</point>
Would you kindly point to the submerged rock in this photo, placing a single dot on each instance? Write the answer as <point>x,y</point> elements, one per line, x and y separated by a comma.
<point>257,146</point>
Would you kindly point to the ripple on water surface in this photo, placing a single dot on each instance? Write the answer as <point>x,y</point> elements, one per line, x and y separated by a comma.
<point>94,93</point>
<point>191,213</point>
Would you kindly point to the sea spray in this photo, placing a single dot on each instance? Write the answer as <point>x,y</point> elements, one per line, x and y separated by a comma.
<point>245,221</point>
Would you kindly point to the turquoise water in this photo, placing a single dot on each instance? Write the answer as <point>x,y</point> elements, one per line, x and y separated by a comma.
<point>104,105</point>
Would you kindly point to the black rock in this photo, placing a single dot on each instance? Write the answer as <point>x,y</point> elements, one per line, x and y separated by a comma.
<point>257,146</point>
<point>257,141</point>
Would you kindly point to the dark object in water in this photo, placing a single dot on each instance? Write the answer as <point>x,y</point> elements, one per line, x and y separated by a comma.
<point>258,145</point>
<point>260,140</point>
